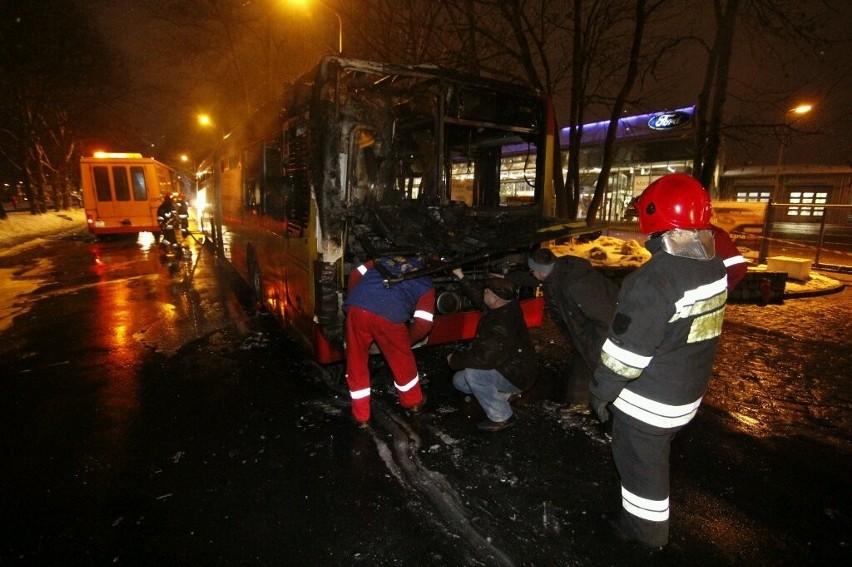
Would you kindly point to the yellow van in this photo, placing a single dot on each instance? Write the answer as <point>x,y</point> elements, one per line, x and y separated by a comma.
<point>121,192</point>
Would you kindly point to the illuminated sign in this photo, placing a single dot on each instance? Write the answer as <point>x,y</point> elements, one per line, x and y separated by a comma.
<point>102,155</point>
<point>668,120</point>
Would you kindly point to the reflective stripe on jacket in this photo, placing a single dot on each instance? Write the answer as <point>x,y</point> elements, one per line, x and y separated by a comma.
<point>661,345</point>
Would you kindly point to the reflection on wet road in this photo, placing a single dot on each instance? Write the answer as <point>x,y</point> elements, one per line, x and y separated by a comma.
<point>783,370</point>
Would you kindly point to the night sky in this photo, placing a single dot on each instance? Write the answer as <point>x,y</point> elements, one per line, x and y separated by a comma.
<point>178,87</point>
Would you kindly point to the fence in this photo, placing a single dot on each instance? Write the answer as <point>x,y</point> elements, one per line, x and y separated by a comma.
<point>820,233</point>
<point>823,236</point>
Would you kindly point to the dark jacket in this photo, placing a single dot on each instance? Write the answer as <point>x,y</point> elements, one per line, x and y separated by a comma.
<point>502,342</point>
<point>658,355</point>
<point>582,301</point>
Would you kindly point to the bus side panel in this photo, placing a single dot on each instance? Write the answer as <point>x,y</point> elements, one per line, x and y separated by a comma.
<point>235,235</point>
<point>283,255</point>
<point>300,286</point>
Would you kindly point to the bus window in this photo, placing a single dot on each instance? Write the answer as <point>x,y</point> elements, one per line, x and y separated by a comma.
<point>119,180</point>
<point>364,175</point>
<point>273,181</point>
<point>252,178</point>
<point>297,187</point>
<point>137,178</point>
<point>102,187</point>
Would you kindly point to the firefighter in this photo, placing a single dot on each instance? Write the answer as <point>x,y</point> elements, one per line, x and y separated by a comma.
<point>379,311</point>
<point>659,351</point>
<point>735,263</point>
<point>182,212</point>
<point>167,221</point>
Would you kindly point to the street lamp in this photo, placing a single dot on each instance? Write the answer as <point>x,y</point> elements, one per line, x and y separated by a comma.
<point>303,4</point>
<point>205,121</point>
<point>190,166</point>
<point>798,111</point>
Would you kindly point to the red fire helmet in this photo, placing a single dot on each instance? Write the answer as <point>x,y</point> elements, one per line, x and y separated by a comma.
<point>673,201</point>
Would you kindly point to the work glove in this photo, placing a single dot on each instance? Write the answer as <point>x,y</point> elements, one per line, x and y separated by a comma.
<point>599,408</point>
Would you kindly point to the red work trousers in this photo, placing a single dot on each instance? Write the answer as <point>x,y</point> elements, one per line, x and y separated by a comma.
<point>362,329</point>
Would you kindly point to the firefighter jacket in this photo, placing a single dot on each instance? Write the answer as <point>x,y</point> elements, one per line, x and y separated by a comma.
<point>165,213</point>
<point>731,256</point>
<point>658,355</point>
<point>502,342</point>
<point>581,301</point>
<point>412,299</point>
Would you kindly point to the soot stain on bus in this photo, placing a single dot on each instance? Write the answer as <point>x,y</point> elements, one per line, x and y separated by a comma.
<point>362,159</point>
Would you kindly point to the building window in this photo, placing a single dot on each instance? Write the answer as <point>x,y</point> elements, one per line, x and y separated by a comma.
<point>753,196</point>
<point>809,198</point>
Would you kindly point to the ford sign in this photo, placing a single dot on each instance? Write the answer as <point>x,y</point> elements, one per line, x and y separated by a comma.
<point>668,120</point>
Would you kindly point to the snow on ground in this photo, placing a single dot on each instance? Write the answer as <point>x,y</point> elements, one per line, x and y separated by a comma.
<point>611,252</point>
<point>606,251</point>
<point>22,229</point>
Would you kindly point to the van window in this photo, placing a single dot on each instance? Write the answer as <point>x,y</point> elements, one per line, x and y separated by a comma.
<point>137,178</point>
<point>119,180</point>
<point>164,179</point>
<point>101,175</point>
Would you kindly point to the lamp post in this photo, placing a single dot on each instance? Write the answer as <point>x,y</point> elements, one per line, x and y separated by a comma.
<point>798,111</point>
<point>205,121</point>
<point>304,4</point>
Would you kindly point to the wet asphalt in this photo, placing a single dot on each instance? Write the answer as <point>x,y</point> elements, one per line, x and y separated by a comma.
<point>202,435</point>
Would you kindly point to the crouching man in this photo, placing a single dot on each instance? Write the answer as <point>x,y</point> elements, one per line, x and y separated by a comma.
<point>500,362</point>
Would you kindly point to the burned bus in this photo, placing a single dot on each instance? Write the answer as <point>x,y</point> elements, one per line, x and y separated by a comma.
<point>360,160</point>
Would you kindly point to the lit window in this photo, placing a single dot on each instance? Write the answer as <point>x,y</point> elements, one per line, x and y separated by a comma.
<point>753,196</point>
<point>807,198</point>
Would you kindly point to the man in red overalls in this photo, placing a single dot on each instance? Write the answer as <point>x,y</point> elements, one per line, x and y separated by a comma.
<point>379,311</point>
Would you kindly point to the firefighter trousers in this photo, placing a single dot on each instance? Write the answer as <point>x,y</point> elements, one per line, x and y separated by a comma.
<point>642,459</point>
<point>362,329</point>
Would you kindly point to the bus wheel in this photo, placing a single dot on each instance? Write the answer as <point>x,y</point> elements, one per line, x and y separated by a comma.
<point>256,285</point>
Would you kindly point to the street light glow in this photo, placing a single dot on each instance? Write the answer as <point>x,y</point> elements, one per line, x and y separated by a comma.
<point>305,4</point>
<point>802,109</point>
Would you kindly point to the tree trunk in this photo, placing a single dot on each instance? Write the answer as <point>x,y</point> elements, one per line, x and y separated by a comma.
<point>612,130</point>
<point>711,103</point>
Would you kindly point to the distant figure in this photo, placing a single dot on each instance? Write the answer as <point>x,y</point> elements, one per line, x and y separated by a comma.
<point>500,362</point>
<point>3,214</point>
<point>182,212</point>
<point>379,312</point>
<point>167,220</point>
<point>735,263</point>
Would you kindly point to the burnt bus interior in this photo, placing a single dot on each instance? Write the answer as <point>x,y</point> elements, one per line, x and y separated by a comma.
<point>402,160</point>
<point>420,160</point>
